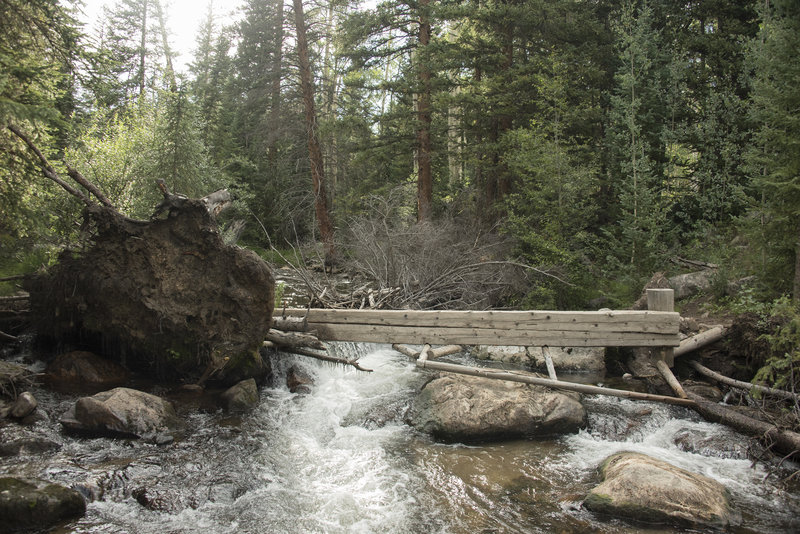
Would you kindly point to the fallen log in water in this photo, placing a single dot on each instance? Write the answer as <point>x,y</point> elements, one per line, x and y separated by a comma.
<point>783,441</point>
<point>318,356</point>
<point>557,384</point>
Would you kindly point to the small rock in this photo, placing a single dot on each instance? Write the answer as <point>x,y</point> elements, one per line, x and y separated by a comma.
<point>299,381</point>
<point>36,504</point>
<point>122,412</point>
<point>641,488</point>
<point>25,405</point>
<point>241,397</point>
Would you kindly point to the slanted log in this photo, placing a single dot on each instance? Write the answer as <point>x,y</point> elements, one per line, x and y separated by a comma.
<point>700,340</point>
<point>665,371</point>
<point>556,384</point>
<point>783,441</point>
<point>747,386</point>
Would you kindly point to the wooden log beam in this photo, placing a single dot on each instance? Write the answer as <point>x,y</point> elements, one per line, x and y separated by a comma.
<point>747,386</point>
<point>485,336</point>
<point>406,350</point>
<point>663,300</point>
<point>438,352</point>
<point>700,340</point>
<point>556,384</point>
<point>548,360</point>
<point>604,321</point>
<point>293,339</point>
<point>665,371</point>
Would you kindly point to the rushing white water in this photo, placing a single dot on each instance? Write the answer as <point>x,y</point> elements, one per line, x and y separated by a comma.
<point>341,460</point>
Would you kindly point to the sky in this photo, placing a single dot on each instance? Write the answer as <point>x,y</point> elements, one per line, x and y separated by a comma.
<point>184,18</point>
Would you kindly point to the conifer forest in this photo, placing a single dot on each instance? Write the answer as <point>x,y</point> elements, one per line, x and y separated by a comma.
<point>588,142</point>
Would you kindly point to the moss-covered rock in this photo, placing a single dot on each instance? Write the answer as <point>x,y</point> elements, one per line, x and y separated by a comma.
<point>36,504</point>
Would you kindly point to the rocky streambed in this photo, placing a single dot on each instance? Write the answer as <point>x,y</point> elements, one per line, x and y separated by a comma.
<point>391,451</point>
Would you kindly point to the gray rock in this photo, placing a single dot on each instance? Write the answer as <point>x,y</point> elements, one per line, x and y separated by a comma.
<point>241,397</point>
<point>122,412</point>
<point>36,504</point>
<point>466,408</point>
<point>299,381</point>
<point>638,487</point>
<point>503,353</point>
<point>570,359</point>
<point>25,405</point>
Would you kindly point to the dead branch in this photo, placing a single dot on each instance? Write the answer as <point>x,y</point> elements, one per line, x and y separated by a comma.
<point>324,357</point>
<point>51,173</point>
<point>12,278</point>
<point>7,337</point>
<point>743,385</point>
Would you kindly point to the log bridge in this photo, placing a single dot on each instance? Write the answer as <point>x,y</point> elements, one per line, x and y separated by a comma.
<point>657,327</point>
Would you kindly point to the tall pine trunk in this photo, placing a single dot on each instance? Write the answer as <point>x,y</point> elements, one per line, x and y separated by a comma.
<point>275,100</point>
<point>324,221</point>
<point>425,176</point>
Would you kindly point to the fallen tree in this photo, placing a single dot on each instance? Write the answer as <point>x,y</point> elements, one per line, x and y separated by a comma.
<point>165,296</point>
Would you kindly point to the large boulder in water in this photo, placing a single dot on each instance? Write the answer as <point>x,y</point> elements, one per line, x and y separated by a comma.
<point>638,487</point>
<point>33,504</point>
<point>123,412</point>
<point>468,408</point>
<point>165,296</point>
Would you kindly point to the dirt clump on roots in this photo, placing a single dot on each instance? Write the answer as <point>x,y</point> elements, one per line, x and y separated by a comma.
<point>166,297</point>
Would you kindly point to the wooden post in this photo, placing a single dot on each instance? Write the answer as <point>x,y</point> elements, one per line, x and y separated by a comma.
<point>662,300</point>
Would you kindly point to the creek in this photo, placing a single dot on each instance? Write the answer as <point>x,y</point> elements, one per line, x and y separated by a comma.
<point>341,460</point>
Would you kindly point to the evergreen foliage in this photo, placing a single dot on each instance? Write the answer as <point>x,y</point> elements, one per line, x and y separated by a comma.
<point>602,137</point>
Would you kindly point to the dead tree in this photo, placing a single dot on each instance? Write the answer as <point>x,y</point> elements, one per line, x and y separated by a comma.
<point>166,297</point>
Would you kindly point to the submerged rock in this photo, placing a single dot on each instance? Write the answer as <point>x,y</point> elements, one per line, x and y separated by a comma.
<point>241,397</point>
<point>638,487</point>
<point>84,370</point>
<point>299,381</point>
<point>36,504</point>
<point>123,412</point>
<point>467,408</point>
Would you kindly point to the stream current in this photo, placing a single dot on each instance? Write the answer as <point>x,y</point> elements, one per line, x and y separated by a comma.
<point>341,460</point>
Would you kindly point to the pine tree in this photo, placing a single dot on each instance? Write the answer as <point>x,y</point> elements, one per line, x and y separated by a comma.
<point>776,163</point>
<point>635,141</point>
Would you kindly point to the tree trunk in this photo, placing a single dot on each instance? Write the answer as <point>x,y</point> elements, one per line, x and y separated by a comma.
<point>796,285</point>
<point>425,176</point>
<point>143,51</point>
<point>170,72</point>
<point>275,100</point>
<point>314,150</point>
